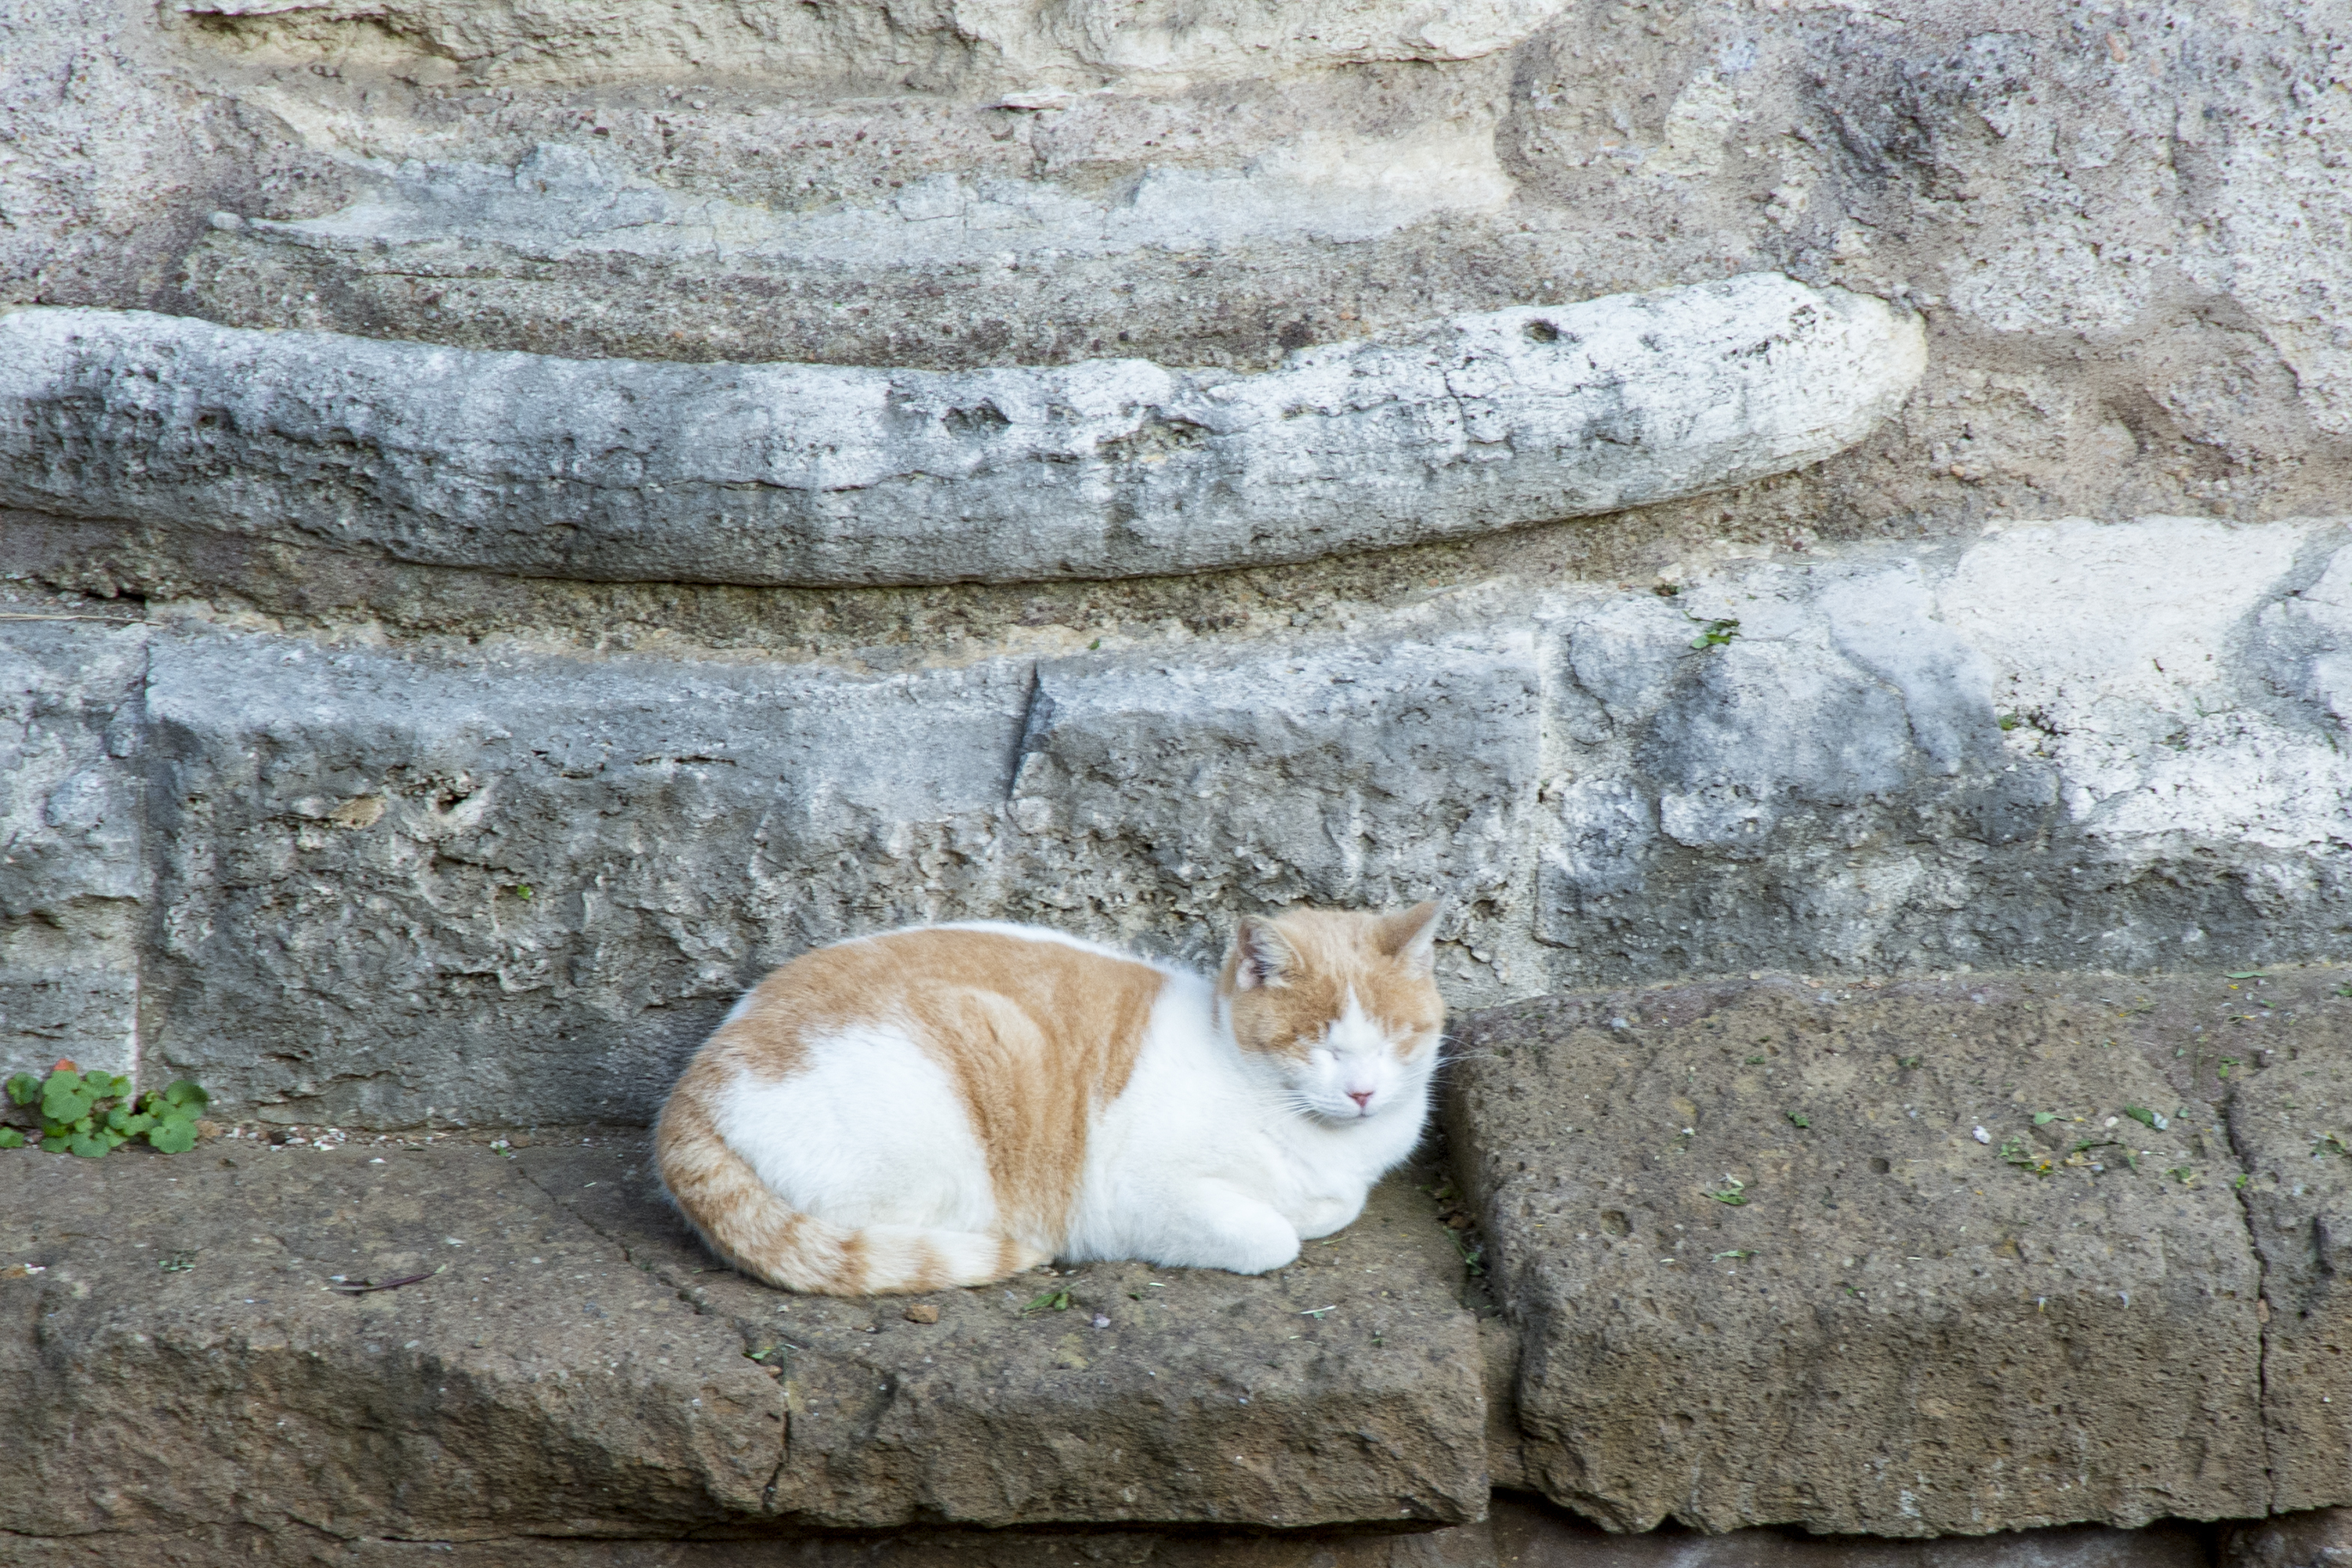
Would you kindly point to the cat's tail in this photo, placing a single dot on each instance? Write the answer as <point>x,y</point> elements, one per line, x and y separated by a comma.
<point>745,1223</point>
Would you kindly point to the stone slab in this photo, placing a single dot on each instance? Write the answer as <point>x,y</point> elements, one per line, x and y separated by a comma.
<point>1766,1271</point>
<point>630,471</point>
<point>73,870</point>
<point>2319,1538</point>
<point>1521,1533</point>
<point>1358,773</point>
<point>448,880</point>
<point>575,1365</point>
<point>2114,746</point>
<point>485,889</point>
<point>2291,1121</point>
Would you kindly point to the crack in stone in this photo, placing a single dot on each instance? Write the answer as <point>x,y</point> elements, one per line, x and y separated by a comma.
<point>701,1309</point>
<point>2243,1190</point>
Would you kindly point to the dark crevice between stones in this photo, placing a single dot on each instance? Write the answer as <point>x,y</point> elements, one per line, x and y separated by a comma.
<point>2243,1188</point>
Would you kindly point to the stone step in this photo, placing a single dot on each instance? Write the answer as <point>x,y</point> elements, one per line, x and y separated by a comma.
<point>1925,1257</point>
<point>1902,1259</point>
<point>568,1361</point>
<point>814,475</point>
<point>1519,1533</point>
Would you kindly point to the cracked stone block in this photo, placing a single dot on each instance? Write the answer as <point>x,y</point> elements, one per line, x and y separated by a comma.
<point>1346,1387</point>
<point>73,882</point>
<point>2292,1120</point>
<point>396,886</point>
<point>1898,1260</point>
<point>2105,745</point>
<point>633,470</point>
<point>2319,1538</point>
<point>184,1358</point>
<point>565,1361</point>
<point>1165,794</point>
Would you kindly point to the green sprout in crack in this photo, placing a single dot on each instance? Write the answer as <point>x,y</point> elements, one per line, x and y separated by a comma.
<point>1714,634</point>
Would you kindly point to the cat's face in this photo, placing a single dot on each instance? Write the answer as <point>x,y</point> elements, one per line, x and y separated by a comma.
<point>1342,1008</point>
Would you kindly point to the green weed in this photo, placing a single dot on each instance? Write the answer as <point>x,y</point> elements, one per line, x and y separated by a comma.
<point>92,1114</point>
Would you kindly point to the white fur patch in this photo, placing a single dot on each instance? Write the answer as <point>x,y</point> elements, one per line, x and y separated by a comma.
<point>869,1131</point>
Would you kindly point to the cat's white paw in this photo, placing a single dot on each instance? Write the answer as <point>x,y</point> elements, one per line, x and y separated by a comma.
<point>1327,1215</point>
<point>1244,1237</point>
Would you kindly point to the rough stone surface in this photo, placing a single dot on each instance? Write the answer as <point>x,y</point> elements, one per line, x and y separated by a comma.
<point>73,877</point>
<point>1519,1533</point>
<point>2106,746</point>
<point>573,1366</point>
<point>2321,1538</point>
<point>2291,1122</point>
<point>401,885</point>
<point>815,474</point>
<point>2109,220</point>
<point>1767,1269</point>
<point>2065,743</point>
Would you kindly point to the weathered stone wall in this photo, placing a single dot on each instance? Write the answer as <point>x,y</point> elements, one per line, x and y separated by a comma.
<point>519,519</point>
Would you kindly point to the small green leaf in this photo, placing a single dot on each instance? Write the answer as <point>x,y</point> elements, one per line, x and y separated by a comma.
<point>1908,1063</point>
<point>66,1097</point>
<point>2006,720</point>
<point>2240,1185</point>
<point>1799,1118</point>
<point>10,1139</point>
<point>54,1144</point>
<point>1048,1302</point>
<point>187,1092</point>
<point>1733,1191</point>
<point>2044,1118</point>
<point>24,1089</point>
<point>1715,635</point>
<point>2141,1114</point>
<point>89,1145</point>
<point>1755,1061</point>
<point>174,1137</point>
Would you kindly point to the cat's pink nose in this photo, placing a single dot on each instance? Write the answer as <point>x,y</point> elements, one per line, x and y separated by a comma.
<point>1362,1097</point>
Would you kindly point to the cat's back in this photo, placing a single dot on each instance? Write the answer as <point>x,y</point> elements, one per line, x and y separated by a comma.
<point>978,998</point>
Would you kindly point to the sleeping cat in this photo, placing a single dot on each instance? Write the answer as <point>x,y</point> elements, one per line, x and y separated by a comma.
<point>947,1105</point>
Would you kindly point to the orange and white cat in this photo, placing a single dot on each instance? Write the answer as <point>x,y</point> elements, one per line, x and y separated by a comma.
<point>947,1105</point>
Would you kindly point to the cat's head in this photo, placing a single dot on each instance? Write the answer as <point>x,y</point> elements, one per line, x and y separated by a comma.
<point>1342,1008</point>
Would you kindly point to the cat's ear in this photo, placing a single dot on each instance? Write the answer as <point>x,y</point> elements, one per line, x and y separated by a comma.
<point>1409,935</point>
<point>1262,955</point>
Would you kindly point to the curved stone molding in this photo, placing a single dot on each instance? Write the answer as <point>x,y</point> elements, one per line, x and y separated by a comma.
<point>802,474</point>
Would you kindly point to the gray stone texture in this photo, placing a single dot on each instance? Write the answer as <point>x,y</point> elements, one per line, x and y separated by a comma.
<point>73,875</point>
<point>1901,1259</point>
<point>2291,1122</point>
<point>818,474</point>
<point>2109,221</point>
<point>2016,750</point>
<point>401,882</point>
<point>394,886</point>
<point>571,1366</point>
<point>2321,1538</point>
<point>1518,1532</point>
